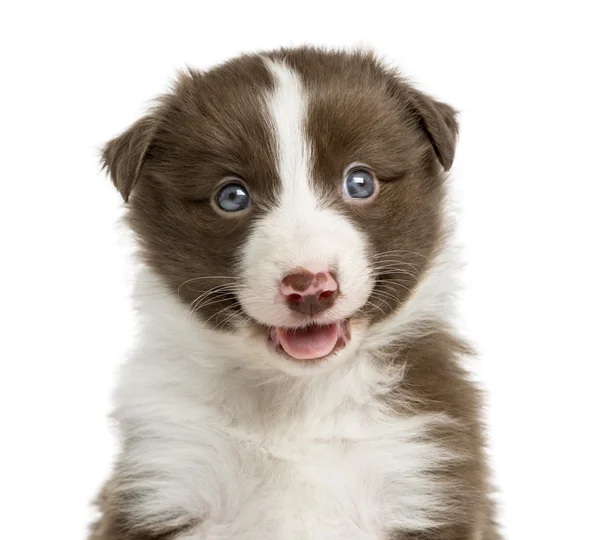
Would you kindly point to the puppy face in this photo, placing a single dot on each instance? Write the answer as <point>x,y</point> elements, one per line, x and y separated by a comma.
<point>294,197</point>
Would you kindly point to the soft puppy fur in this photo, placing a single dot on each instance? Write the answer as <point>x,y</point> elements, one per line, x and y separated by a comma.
<point>248,412</point>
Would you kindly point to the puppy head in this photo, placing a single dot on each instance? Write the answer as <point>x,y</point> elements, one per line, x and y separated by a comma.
<point>293,198</point>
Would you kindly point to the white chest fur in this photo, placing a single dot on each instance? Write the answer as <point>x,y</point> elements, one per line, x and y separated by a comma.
<point>322,489</point>
<point>351,471</point>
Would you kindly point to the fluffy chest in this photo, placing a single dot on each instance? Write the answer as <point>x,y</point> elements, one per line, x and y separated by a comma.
<point>297,485</point>
<point>303,489</point>
<point>301,459</point>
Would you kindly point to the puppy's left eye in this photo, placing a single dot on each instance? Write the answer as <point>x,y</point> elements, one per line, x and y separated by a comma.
<point>359,184</point>
<point>233,198</point>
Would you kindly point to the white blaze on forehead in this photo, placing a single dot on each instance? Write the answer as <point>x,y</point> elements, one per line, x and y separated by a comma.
<point>288,106</point>
<point>300,230</point>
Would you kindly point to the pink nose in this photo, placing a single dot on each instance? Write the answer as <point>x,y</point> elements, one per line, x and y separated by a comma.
<point>309,293</point>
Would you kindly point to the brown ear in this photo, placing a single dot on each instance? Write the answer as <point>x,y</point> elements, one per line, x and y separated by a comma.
<point>438,120</point>
<point>124,155</point>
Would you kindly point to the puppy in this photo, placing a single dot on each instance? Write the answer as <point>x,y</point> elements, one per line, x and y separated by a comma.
<point>297,375</point>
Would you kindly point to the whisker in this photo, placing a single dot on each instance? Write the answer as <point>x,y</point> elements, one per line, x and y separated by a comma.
<point>369,303</point>
<point>381,300</point>
<point>398,252</point>
<point>243,321</point>
<point>397,264</point>
<point>225,321</point>
<point>218,313</point>
<point>398,273</point>
<point>394,284</point>
<point>198,300</point>
<point>385,294</point>
<point>205,304</point>
<point>404,268</point>
<point>218,290</point>
<point>207,277</point>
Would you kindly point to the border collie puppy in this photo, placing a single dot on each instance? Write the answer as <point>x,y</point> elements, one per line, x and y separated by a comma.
<point>297,375</point>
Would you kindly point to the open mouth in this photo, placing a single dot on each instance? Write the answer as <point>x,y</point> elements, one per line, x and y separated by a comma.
<point>310,343</point>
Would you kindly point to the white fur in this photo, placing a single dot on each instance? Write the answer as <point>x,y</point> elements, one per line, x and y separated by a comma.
<point>301,231</point>
<point>432,299</point>
<point>220,432</point>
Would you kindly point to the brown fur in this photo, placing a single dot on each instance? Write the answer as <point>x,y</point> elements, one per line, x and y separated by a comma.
<point>169,165</point>
<point>435,382</point>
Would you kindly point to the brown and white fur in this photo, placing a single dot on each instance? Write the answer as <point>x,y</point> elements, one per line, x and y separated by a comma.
<point>223,435</point>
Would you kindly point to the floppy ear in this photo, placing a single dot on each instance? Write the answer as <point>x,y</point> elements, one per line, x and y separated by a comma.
<point>438,120</point>
<point>124,155</point>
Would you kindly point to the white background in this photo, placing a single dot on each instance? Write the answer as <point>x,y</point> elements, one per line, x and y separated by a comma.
<point>525,78</point>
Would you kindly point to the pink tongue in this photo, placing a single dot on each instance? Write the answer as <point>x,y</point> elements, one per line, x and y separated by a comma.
<point>310,342</point>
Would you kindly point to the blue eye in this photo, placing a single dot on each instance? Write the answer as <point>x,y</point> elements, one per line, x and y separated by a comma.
<point>359,184</point>
<point>233,198</point>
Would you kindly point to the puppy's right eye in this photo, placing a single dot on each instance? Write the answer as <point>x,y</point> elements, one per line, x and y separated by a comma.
<point>360,183</point>
<point>233,198</point>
